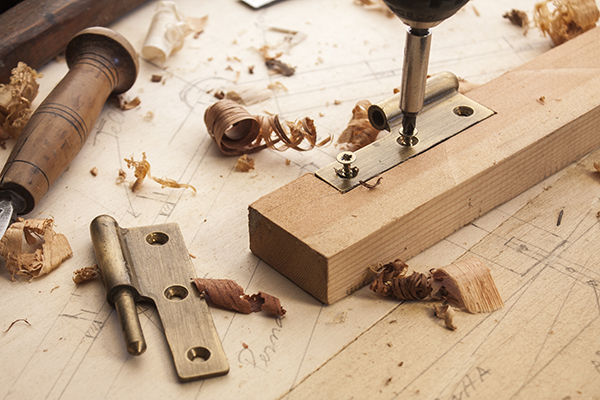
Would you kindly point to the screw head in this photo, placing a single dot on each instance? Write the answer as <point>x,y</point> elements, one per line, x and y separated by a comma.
<point>346,158</point>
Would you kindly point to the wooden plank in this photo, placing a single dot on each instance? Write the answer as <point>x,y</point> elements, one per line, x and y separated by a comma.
<point>35,31</point>
<point>325,241</point>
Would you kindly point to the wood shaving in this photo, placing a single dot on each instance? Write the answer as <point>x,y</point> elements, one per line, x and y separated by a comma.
<point>542,100</point>
<point>85,274</point>
<point>446,312</point>
<point>42,252</point>
<point>467,284</point>
<point>245,95</point>
<point>236,132</point>
<point>15,321</point>
<point>142,170</point>
<point>464,86</point>
<point>359,131</point>
<point>369,185</point>
<point>125,104</point>
<point>156,78</point>
<point>15,100</point>
<point>94,171</point>
<point>375,5</point>
<point>149,116</point>
<point>279,67</point>
<point>168,29</point>
<point>568,19</point>
<point>244,163</point>
<point>121,177</point>
<point>392,281</point>
<point>597,166</point>
<point>229,295</point>
<point>518,18</point>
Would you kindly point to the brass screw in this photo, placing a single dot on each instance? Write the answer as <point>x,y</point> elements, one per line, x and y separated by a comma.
<point>346,158</point>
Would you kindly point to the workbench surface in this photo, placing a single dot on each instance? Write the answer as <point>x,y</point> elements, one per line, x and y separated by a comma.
<point>543,344</point>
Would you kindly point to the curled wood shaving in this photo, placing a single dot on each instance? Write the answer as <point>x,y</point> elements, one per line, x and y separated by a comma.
<point>518,18</point>
<point>467,284</point>
<point>229,295</point>
<point>125,104</point>
<point>142,170</point>
<point>569,18</point>
<point>279,67</point>
<point>359,131</point>
<point>168,29</point>
<point>94,171</point>
<point>597,166</point>
<point>392,281</point>
<point>42,252</point>
<point>236,132</point>
<point>371,185</point>
<point>15,321</point>
<point>85,274</point>
<point>446,312</point>
<point>244,163</point>
<point>15,100</point>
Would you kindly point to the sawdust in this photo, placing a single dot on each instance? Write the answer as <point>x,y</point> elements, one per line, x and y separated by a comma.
<point>518,18</point>
<point>229,295</point>
<point>15,100</point>
<point>42,252</point>
<point>244,163</point>
<point>142,171</point>
<point>568,19</point>
<point>446,312</point>
<point>94,171</point>
<point>236,132</point>
<point>85,274</point>
<point>359,131</point>
<point>126,105</point>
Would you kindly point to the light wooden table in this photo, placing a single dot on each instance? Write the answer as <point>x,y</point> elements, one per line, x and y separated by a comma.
<point>543,344</point>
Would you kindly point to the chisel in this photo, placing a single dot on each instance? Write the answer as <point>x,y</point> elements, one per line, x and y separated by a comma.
<point>100,62</point>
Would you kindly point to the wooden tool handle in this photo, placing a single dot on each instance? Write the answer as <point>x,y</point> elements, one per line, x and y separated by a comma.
<point>35,31</point>
<point>101,62</point>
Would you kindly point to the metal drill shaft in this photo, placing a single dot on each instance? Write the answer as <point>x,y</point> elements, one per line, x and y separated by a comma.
<point>414,77</point>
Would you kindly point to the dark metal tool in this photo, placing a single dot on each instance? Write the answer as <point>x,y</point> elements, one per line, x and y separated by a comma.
<point>420,16</point>
<point>152,263</point>
<point>100,62</point>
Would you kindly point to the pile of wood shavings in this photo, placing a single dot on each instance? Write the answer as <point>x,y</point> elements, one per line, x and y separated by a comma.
<point>236,132</point>
<point>229,295</point>
<point>466,284</point>
<point>142,170</point>
<point>569,18</point>
<point>15,100</point>
<point>359,131</point>
<point>42,252</point>
<point>85,274</point>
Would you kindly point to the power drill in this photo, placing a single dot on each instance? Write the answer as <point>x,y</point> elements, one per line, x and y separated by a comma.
<point>420,16</point>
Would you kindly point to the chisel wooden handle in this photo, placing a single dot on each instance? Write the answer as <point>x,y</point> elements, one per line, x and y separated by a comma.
<point>100,62</point>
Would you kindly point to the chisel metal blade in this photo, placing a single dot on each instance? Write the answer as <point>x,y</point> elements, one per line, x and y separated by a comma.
<point>10,206</point>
